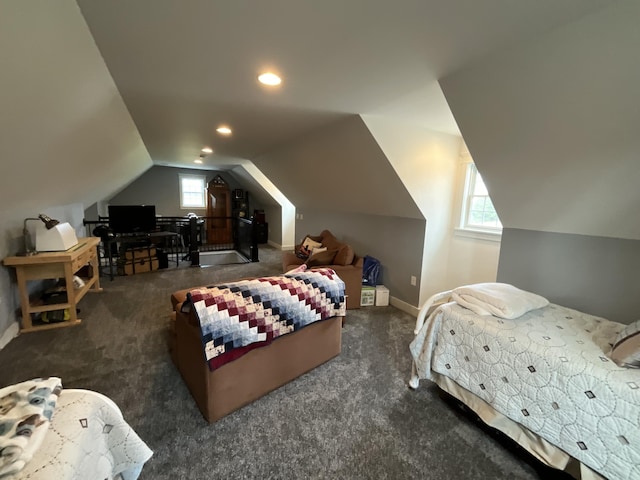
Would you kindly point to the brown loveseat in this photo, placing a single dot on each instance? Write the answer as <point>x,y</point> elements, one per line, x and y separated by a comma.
<point>338,256</point>
<point>258,372</point>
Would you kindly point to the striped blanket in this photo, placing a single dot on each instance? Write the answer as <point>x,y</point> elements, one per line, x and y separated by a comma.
<point>240,316</point>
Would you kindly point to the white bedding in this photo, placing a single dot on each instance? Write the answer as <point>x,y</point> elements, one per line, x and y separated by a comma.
<point>26,409</point>
<point>497,299</point>
<point>547,370</point>
<point>87,439</point>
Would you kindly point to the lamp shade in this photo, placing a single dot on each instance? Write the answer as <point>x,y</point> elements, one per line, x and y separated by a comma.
<point>59,238</point>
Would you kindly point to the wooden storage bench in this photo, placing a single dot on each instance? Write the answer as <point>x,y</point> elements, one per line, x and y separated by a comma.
<point>258,372</point>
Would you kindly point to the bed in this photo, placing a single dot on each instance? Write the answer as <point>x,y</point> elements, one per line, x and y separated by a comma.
<point>541,373</point>
<point>47,432</point>
<point>235,342</point>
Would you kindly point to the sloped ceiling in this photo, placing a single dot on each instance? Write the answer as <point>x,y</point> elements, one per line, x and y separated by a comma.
<point>65,133</point>
<point>331,169</point>
<point>553,126</point>
<point>184,67</point>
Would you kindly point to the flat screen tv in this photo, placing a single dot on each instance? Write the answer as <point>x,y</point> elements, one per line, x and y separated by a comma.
<point>132,218</point>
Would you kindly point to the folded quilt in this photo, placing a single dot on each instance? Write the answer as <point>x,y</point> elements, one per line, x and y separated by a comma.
<point>498,299</point>
<point>240,316</point>
<point>25,413</point>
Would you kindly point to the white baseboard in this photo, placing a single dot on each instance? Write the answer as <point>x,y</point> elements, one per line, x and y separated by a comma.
<point>281,247</point>
<point>9,334</point>
<point>404,306</point>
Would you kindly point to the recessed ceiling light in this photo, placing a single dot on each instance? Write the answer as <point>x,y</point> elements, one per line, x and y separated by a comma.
<point>207,150</point>
<point>223,130</point>
<point>269,78</point>
<point>197,160</point>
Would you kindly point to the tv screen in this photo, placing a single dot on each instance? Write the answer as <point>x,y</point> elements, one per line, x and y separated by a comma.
<point>132,218</point>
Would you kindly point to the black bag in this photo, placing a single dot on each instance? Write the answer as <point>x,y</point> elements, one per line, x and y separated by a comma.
<point>103,231</point>
<point>370,271</point>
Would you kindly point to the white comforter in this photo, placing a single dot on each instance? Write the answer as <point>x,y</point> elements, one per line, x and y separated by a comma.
<point>87,439</point>
<point>547,370</point>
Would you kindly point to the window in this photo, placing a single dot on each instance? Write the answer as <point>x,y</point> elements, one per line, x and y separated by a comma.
<point>192,191</point>
<point>478,212</point>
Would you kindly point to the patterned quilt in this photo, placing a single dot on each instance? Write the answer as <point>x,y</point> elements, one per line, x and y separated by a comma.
<point>26,410</point>
<point>88,439</point>
<point>547,370</point>
<point>240,316</point>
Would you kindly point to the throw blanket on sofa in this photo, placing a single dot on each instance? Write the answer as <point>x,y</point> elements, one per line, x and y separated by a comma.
<point>240,316</point>
<point>25,413</point>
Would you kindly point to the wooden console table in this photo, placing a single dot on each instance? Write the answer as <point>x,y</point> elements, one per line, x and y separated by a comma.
<point>56,265</point>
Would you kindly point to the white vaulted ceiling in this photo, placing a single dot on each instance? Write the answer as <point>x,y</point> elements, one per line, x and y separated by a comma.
<point>543,92</point>
<point>184,67</point>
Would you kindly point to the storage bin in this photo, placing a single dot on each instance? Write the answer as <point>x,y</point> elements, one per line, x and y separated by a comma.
<point>367,296</point>
<point>382,296</point>
<point>137,253</point>
<point>141,265</point>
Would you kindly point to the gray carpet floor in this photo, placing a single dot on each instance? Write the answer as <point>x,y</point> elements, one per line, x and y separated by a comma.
<point>351,418</point>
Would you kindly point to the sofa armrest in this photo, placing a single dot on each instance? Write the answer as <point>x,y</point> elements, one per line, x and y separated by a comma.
<point>290,260</point>
<point>351,275</point>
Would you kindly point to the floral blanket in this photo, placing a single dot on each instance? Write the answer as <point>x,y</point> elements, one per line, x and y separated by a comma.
<point>240,316</point>
<point>88,440</point>
<point>25,413</point>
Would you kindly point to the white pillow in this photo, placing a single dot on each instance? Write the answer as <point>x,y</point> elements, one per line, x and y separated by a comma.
<point>626,348</point>
<point>309,244</point>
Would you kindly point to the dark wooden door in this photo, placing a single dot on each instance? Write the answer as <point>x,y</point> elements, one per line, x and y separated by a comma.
<point>219,207</point>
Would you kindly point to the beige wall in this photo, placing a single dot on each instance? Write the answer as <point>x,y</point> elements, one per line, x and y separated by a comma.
<point>472,258</point>
<point>426,162</point>
<point>431,164</point>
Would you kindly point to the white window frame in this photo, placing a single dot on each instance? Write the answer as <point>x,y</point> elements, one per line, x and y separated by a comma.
<point>203,182</point>
<point>465,228</point>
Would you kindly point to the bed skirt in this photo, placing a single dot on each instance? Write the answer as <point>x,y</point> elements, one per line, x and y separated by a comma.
<point>537,446</point>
